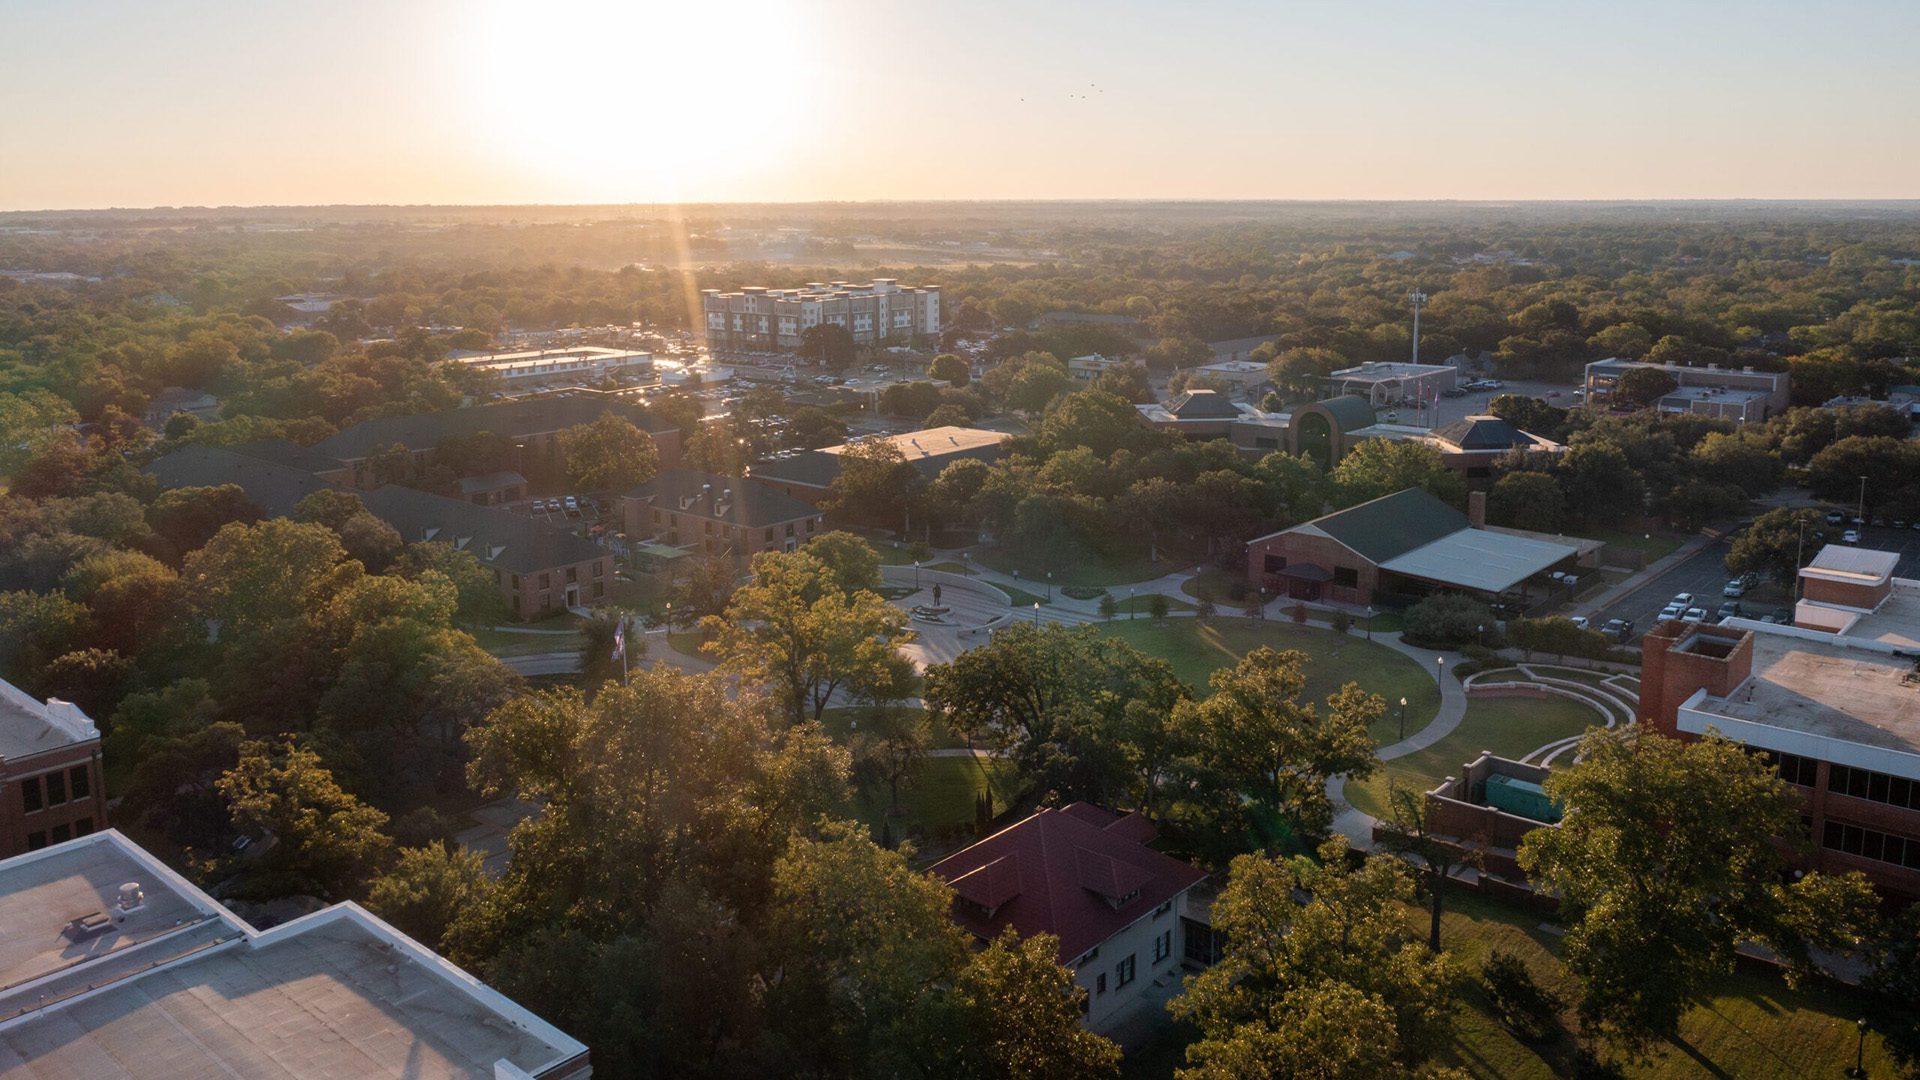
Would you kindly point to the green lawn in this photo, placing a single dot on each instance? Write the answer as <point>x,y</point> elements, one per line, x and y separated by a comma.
<point>1656,545</point>
<point>1196,648</point>
<point>1510,727</point>
<point>1212,581</point>
<point>1753,1028</point>
<point>1021,598</point>
<point>1081,569</point>
<point>687,643</point>
<point>1143,605</point>
<point>507,643</point>
<point>951,567</point>
<point>940,798</point>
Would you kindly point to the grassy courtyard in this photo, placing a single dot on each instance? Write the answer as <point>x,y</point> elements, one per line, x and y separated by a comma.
<point>1509,727</point>
<point>1196,648</point>
<point>1095,568</point>
<point>939,800</point>
<point>1753,1028</point>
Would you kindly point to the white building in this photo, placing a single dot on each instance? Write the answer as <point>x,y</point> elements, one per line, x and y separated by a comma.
<point>1244,377</point>
<point>1385,384</point>
<point>1086,876</point>
<point>578,365</point>
<point>113,967</point>
<point>758,319</point>
<point>1087,368</point>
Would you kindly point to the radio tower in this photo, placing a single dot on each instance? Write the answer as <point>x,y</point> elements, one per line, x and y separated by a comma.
<point>1418,298</point>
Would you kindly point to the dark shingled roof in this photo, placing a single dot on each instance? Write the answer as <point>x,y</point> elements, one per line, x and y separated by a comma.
<point>498,538</point>
<point>1350,411</point>
<point>1067,872</point>
<point>274,487</point>
<point>752,505</point>
<point>1392,525</point>
<point>530,416</point>
<point>808,468</point>
<point>1203,405</point>
<point>1484,433</point>
<point>493,481</point>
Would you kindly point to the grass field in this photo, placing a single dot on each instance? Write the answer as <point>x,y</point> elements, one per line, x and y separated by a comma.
<point>1656,545</point>
<point>1509,727</point>
<point>1212,581</point>
<point>940,797</point>
<point>1754,1028</point>
<point>1197,648</point>
<point>1097,569</point>
<point>507,643</point>
<point>843,723</point>
<point>1143,605</point>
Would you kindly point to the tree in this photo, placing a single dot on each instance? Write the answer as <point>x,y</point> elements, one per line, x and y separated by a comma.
<point>1777,544</point>
<point>427,888</point>
<point>1015,1015</point>
<point>29,420</point>
<point>912,399</point>
<point>1253,738</point>
<point>1097,420</point>
<point>188,517</point>
<point>1445,620</point>
<point>1527,500</point>
<point>1886,465</point>
<point>326,841</point>
<point>1601,484</point>
<point>950,369</point>
<point>249,576</point>
<point>876,485</point>
<point>1303,371</point>
<point>1433,857</point>
<point>1109,607</point>
<point>1642,386</point>
<point>861,938</point>
<point>794,629</point>
<point>1894,980</point>
<point>1157,607</point>
<point>1326,987</point>
<point>1530,414</point>
<point>1664,862</point>
<point>1055,700</point>
<point>815,427</point>
<point>1379,467</point>
<point>828,344</point>
<point>35,628</point>
<point>609,454</point>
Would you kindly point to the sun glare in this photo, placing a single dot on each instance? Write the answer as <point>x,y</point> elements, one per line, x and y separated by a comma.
<point>640,100</point>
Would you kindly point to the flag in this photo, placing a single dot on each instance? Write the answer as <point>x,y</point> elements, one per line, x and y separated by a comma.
<point>620,639</point>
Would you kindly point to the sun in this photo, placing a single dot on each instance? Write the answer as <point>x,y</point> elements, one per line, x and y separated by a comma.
<point>641,100</point>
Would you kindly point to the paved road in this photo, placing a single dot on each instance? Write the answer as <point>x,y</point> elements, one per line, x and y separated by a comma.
<point>1703,575</point>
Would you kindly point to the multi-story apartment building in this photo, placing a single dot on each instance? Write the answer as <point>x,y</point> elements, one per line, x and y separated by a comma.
<point>762,319</point>
<point>51,788</point>
<point>720,515</point>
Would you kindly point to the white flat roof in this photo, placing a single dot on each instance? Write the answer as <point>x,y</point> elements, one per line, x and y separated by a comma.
<point>1480,560</point>
<point>180,989</point>
<point>1386,370</point>
<point>1852,565</point>
<point>29,727</point>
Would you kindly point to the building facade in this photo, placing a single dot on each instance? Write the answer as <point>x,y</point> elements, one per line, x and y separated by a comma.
<point>580,365</point>
<point>759,319</point>
<point>1725,393</point>
<point>718,515</point>
<point>51,786</point>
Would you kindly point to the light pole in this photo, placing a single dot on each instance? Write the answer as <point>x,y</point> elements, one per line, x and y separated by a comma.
<point>1860,511</point>
<point>1049,586</point>
<point>1036,613</point>
<point>1403,718</point>
<point>1860,1051</point>
<point>1132,606</point>
<point>1480,635</point>
<point>669,616</point>
<point>916,575</point>
<point>1439,670</point>
<point>1369,622</point>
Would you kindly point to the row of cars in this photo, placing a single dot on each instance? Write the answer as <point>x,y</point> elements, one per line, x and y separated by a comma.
<point>1687,608</point>
<point>1473,386</point>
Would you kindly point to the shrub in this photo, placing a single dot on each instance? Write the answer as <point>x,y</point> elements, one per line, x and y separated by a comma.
<point>1446,621</point>
<point>1204,609</point>
<point>1082,592</point>
<point>1238,589</point>
<point>1341,622</point>
<point>1528,1009</point>
<point>1299,614</point>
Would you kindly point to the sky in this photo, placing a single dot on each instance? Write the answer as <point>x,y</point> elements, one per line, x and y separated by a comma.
<point>135,103</point>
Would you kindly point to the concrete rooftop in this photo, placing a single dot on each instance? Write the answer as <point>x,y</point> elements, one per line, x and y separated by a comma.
<point>1828,691</point>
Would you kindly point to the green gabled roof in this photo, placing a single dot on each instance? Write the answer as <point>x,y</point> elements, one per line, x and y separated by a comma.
<point>1392,525</point>
<point>1350,411</point>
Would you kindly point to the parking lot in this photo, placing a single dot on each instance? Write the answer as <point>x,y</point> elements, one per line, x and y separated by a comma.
<point>1884,538</point>
<point>587,513</point>
<point>1703,575</point>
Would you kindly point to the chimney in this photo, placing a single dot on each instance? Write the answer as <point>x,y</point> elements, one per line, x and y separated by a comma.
<point>1477,509</point>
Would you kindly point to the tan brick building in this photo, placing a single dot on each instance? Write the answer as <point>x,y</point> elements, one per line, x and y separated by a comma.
<point>51,787</point>
<point>718,515</point>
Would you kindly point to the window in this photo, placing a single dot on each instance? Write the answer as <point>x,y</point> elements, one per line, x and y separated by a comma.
<point>30,800</point>
<point>37,840</point>
<point>1099,981</point>
<point>1795,769</point>
<point>599,569</point>
<point>56,788</point>
<point>79,782</point>
<point>810,524</point>
<point>546,601</point>
<point>1873,844</point>
<point>1163,946</point>
<point>656,517</point>
<point>789,528</point>
<point>1123,973</point>
<point>1346,577</point>
<point>573,574</point>
<point>516,604</point>
<point>599,588</point>
<point>1261,442</point>
<point>83,826</point>
<point>1163,909</point>
<point>1867,784</point>
<point>1273,564</point>
<point>62,833</point>
<point>516,582</point>
<point>546,581</point>
<point>769,534</point>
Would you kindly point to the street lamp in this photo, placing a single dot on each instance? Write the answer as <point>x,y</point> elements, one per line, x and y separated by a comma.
<point>1133,609</point>
<point>1480,634</point>
<point>1403,718</point>
<point>1049,586</point>
<point>669,616</point>
<point>1439,670</point>
<point>1369,622</point>
<point>916,575</point>
<point>1036,613</point>
<point>1860,1051</point>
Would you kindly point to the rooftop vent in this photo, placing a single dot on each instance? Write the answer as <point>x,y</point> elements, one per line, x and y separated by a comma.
<point>131,897</point>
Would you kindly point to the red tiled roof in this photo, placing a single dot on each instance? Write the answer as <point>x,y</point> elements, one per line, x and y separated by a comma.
<point>1063,872</point>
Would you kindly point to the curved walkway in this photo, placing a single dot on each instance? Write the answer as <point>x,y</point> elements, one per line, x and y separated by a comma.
<point>1356,825</point>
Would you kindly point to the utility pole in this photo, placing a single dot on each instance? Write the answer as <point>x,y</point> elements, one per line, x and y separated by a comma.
<point>1860,511</point>
<point>1418,299</point>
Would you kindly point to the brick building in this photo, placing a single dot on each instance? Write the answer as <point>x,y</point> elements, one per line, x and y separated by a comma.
<point>1838,713</point>
<point>51,788</point>
<point>808,474</point>
<point>721,515</point>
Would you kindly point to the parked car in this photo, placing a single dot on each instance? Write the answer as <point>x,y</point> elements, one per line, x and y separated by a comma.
<point>1694,614</point>
<point>572,503</point>
<point>1729,610</point>
<point>1453,392</point>
<point>1578,620</point>
<point>1835,517</point>
<point>1737,587</point>
<point>1683,599</point>
<point>1851,536</point>
<point>1899,523</point>
<point>1672,611</point>
<point>1619,630</point>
